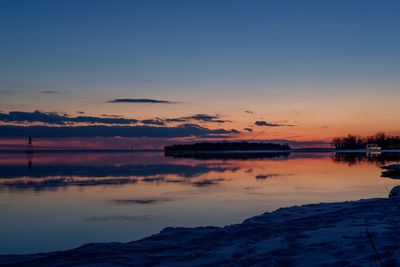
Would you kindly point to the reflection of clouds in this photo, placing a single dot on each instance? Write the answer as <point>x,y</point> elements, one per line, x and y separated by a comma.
<point>44,171</point>
<point>270,175</point>
<point>51,184</point>
<point>139,201</point>
<point>51,177</point>
<point>154,179</point>
<point>200,183</point>
<point>118,218</point>
<point>208,182</point>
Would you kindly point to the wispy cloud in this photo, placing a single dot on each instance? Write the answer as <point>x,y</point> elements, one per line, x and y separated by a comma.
<point>199,118</point>
<point>140,100</point>
<point>268,124</point>
<point>49,92</point>
<point>156,121</point>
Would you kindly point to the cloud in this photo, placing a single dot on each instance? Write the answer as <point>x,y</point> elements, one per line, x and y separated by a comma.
<point>199,118</point>
<point>49,92</point>
<point>58,119</point>
<point>54,118</point>
<point>264,123</point>
<point>184,130</point>
<point>111,115</point>
<point>153,122</point>
<point>248,129</point>
<point>139,100</point>
<point>206,118</point>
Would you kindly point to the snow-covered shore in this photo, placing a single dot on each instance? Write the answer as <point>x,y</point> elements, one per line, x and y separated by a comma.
<point>359,233</point>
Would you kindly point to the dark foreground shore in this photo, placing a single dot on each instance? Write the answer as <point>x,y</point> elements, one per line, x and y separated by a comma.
<point>359,233</point>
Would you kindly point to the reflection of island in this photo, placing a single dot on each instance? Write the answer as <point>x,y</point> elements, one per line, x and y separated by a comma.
<point>228,150</point>
<point>354,158</point>
<point>226,146</point>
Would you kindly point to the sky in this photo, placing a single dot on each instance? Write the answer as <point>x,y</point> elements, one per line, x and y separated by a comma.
<point>163,72</point>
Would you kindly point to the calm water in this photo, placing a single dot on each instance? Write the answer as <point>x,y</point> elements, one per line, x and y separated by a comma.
<point>53,201</point>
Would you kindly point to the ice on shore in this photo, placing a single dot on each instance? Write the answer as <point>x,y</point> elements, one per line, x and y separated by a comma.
<point>331,234</point>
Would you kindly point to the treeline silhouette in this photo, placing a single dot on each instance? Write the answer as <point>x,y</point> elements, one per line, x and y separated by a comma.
<point>357,142</point>
<point>226,146</point>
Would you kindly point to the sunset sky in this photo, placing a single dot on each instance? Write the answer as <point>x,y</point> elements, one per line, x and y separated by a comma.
<point>111,74</point>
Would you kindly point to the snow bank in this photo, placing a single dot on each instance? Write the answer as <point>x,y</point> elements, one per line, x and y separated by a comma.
<point>332,234</point>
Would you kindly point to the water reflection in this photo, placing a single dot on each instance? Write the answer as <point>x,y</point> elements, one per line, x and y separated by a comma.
<point>53,174</point>
<point>98,197</point>
<point>354,158</point>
